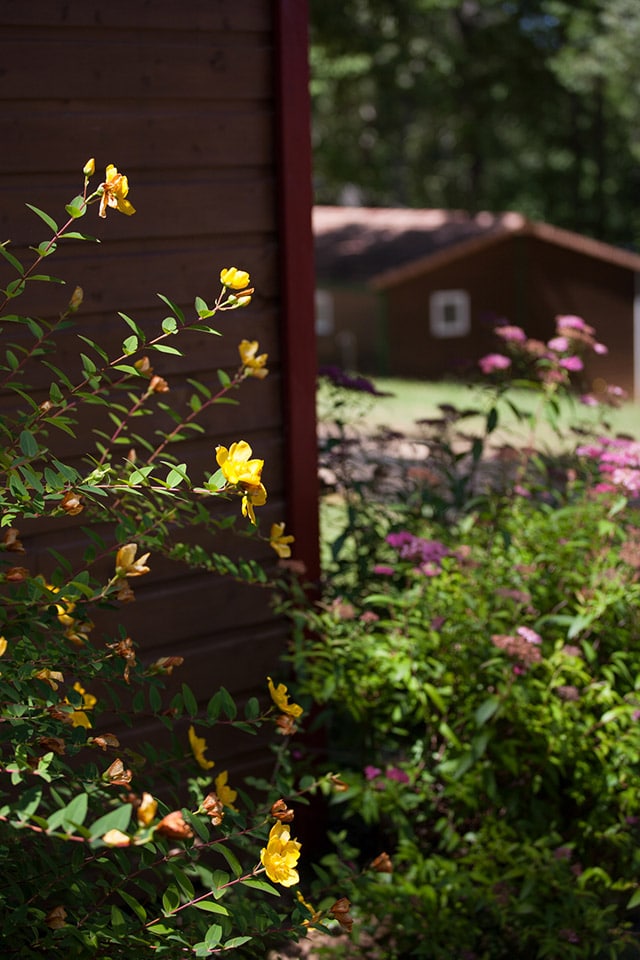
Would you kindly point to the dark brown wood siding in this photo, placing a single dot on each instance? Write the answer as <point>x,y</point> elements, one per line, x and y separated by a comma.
<point>525,281</point>
<point>182,98</point>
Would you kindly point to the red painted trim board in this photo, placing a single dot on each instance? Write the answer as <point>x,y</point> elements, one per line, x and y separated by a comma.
<point>295,201</point>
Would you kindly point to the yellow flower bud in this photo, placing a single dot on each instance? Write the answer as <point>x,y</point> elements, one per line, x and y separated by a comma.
<point>89,168</point>
<point>234,278</point>
<point>76,299</point>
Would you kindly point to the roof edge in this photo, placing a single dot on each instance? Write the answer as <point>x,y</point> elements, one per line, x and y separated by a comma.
<point>541,231</point>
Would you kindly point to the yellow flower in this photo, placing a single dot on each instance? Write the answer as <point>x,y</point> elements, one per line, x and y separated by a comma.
<point>315,914</point>
<point>126,563</point>
<point>116,838</point>
<point>3,646</point>
<point>114,193</point>
<point>52,677</point>
<point>234,278</point>
<point>254,365</point>
<point>198,746</point>
<point>89,168</point>
<point>279,542</point>
<point>226,795</point>
<point>239,470</point>
<point>280,856</point>
<point>280,697</point>
<point>79,717</point>
<point>253,497</point>
<point>147,809</point>
<point>237,466</point>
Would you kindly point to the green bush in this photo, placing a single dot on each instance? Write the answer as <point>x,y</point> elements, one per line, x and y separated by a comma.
<point>478,660</point>
<point>127,843</point>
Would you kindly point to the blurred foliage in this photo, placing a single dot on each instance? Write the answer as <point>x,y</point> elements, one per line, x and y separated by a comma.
<point>530,105</point>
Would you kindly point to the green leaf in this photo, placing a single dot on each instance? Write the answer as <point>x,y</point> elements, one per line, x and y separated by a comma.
<point>261,885</point>
<point>190,702</point>
<point>197,823</point>
<point>77,207</point>
<point>230,857</point>
<point>171,899</point>
<point>130,345</point>
<point>173,306</point>
<point>210,906</point>
<point>133,904</point>
<point>28,444</point>
<point>184,883</point>
<point>134,326</point>
<point>71,816</point>
<point>177,475</point>
<point>15,288</point>
<point>224,378</point>
<point>55,393</point>
<point>50,222</point>
<point>252,708</point>
<point>202,308</point>
<point>213,936</point>
<point>88,365</point>
<point>634,900</point>
<point>74,235</point>
<point>163,348</point>
<point>118,819</point>
<point>10,258</point>
<point>101,353</point>
<point>486,710</point>
<point>228,703</point>
<point>170,325</point>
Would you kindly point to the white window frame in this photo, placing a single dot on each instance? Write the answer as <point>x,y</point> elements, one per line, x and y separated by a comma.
<point>325,316</point>
<point>440,304</point>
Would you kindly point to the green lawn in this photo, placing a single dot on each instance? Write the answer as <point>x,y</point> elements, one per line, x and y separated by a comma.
<point>413,400</point>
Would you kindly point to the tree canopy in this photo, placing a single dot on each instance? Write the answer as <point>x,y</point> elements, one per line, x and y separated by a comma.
<point>528,105</point>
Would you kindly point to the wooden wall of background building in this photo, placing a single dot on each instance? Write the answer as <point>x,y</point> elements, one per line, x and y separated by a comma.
<point>184,99</point>
<point>521,280</point>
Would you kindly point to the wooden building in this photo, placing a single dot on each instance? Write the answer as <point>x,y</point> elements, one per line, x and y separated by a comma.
<point>205,107</point>
<point>417,293</point>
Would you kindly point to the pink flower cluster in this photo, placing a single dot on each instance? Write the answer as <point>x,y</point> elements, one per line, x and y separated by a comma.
<point>426,554</point>
<point>523,647</point>
<point>554,361</point>
<point>494,362</point>
<point>391,773</point>
<point>619,464</point>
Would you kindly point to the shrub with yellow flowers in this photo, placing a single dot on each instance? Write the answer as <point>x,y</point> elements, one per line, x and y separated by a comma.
<point>109,846</point>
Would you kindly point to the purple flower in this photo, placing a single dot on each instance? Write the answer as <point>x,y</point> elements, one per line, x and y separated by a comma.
<point>573,364</point>
<point>589,400</point>
<point>395,773</point>
<point>371,772</point>
<point>340,378</point>
<point>417,549</point>
<point>382,570</point>
<point>600,349</point>
<point>493,362</point>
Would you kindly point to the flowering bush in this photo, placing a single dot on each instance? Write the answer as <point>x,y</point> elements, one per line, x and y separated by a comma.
<point>476,649</point>
<point>116,843</point>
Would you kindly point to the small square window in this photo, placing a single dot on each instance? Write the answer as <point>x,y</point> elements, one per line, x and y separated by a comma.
<point>324,313</point>
<point>449,313</point>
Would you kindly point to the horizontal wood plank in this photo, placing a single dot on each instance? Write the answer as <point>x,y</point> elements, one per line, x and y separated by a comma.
<point>123,65</point>
<point>205,15</point>
<point>168,205</point>
<point>159,135</point>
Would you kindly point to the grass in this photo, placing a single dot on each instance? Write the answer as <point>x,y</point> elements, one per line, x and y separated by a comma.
<point>413,400</point>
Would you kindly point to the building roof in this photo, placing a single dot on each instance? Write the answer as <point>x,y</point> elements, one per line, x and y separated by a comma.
<point>382,246</point>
